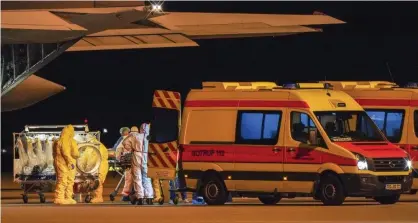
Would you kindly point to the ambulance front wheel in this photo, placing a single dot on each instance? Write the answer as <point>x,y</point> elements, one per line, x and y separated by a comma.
<point>331,190</point>
<point>213,190</point>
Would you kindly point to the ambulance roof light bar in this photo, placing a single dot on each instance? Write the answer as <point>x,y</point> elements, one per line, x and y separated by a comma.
<point>307,86</point>
<point>238,85</point>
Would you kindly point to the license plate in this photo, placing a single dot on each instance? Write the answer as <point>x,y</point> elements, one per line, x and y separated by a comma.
<point>393,186</point>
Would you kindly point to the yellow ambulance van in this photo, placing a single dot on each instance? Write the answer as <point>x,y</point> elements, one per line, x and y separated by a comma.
<point>257,139</point>
<point>393,109</point>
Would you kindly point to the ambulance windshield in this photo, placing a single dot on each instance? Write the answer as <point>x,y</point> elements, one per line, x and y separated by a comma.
<point>349,126</point>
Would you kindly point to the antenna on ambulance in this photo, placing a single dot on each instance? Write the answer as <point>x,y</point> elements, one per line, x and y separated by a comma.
<point>326,85</point>
<point>390,73</point>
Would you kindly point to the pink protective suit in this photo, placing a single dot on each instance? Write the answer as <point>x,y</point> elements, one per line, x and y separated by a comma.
<point>134,143</point>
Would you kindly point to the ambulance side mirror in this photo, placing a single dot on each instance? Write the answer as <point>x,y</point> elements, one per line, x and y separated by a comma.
<point>313,138</point>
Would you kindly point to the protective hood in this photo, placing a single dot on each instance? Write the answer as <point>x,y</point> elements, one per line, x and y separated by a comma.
<point>374,150</point>
<point>144,128</point>
<point>67,132</point>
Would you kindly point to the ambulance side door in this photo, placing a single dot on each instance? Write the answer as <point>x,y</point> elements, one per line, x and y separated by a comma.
<point>164,131</point>
<point>301,158</point>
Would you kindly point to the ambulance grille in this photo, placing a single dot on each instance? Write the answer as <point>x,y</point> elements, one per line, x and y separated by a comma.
<point>389,164</point>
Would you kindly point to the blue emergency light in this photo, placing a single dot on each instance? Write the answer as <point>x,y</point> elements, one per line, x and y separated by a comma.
<point>411,85</point>
<point>290,85</point>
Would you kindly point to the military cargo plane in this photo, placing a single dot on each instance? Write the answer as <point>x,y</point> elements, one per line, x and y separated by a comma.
<point>35,33</point>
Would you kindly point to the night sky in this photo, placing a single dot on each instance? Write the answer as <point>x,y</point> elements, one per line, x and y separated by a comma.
<point>114,88</point>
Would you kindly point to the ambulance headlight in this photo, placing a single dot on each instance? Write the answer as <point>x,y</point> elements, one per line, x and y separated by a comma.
<point>361,162</point>
<point>408,163</point>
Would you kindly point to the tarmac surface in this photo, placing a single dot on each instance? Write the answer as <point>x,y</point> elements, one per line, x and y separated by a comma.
<point>242,210</point>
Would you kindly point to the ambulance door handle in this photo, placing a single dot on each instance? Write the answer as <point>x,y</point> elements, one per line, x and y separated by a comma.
<point>414,148</point>
<point>276,150</point>
<point>291,149</point>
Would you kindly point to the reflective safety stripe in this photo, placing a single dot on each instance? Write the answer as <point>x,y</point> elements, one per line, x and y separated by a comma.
<point>160,159</point>
<point>166,99</point>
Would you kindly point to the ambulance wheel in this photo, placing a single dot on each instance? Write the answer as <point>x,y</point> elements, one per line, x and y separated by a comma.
<point>25,198</point>
<point>331,190</point>
<point>214,190</point>
<point>87,199</point>
<point>269,199</point>
<point>42,198</point>
<point>388,199</point>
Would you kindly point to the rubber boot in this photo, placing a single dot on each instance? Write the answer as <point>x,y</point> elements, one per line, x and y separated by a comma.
<point>140,201</point>
<point>97,195</point>
<point>61,201</point>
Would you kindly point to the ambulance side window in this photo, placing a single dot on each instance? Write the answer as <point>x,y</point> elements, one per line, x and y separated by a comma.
<point>416,122</point>
<point>258,127</point>
<point>390,122</point>
<point>301,126</point>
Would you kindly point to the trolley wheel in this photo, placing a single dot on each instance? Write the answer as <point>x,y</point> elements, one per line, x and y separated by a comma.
<point>25,198</point>
<point>112,198</point>
<point>87,199</point>
<point>42,198</point>
<point>176,200</point>
<point>161,201</point>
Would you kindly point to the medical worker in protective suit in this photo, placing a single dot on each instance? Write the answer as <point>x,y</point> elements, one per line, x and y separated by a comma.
<point>146,181</point>
<point>124,132</point>
<point>65,154</point>
<point>134,143</point>
<point>104,167</point>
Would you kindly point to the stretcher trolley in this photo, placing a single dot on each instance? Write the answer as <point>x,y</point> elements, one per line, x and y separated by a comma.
<point>33,164</point>
<point>87,165</point>
<point>119,166</point>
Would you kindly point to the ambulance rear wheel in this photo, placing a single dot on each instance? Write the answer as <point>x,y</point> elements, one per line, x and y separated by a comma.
<point>269,199</point>
<point>331,190</point>
<point>214,190</point>
<point>388,199</point>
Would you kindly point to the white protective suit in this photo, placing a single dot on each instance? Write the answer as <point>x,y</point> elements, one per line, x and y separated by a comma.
<point>146,181</point>
<point>134,143</point>
<point>127,187</point>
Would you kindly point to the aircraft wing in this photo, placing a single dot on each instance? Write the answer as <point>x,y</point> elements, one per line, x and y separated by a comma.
<point>179,29</point>
<point>31,91</point>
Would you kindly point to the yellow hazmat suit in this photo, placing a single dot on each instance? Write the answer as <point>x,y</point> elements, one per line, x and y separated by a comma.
<point>104,168</point>
<point>65,154</point>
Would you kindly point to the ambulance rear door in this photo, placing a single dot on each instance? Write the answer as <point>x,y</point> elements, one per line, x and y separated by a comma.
<point>164,131</point>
